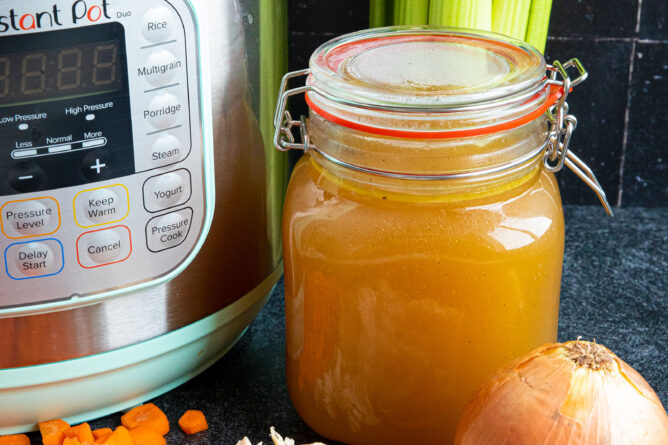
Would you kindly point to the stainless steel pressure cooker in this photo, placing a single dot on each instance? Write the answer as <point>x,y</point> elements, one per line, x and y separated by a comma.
<point>139,205</point>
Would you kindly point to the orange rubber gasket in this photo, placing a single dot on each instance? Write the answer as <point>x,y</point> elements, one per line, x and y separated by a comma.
<point>555,94</point>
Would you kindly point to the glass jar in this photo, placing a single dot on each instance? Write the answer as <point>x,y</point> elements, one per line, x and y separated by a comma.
<point>423,230</point>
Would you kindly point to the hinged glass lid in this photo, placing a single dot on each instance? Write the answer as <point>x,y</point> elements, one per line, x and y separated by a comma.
<point>423,67</point>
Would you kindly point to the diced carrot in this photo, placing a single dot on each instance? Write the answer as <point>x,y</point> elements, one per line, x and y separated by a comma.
<point>15,439</point>
<point>101,432</point>
<point>71,441</point>
<point>147,415</point>
<point>80,432</point>
<point>193,421</point>
<point>53,431</point>
<point>142,435</point>
<point>120,436</point>
<point>104,437</point>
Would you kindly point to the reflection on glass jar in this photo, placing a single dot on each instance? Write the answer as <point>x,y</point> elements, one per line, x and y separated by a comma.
<point>416,263</point>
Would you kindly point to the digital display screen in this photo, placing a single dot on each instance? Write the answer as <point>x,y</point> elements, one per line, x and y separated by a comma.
<point>37,75</point>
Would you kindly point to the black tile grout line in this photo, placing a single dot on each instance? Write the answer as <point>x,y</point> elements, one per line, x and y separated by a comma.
<point>605,39</point>
<point>627,112</point>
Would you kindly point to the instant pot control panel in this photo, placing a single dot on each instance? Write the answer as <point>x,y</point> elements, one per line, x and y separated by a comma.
<point>102,164</point>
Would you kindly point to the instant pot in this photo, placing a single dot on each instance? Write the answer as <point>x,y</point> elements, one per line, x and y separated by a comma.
<point>139,204</point>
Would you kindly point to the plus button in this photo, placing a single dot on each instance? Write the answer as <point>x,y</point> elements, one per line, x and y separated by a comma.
<point>98,166</point>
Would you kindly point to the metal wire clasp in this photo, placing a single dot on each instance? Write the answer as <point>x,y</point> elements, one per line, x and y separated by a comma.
<point>284,140</point>
<point>562,126</point>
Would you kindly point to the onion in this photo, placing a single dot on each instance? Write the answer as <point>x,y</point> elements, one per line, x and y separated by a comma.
<point>575,393</point>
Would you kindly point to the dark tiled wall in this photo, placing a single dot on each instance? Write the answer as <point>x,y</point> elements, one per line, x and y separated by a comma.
<point>622,109</point>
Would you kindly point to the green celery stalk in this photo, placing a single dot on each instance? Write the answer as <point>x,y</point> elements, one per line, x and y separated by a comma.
<point>411,12</point>
<point>510,17</point>
<point>273,64</point>
<point>539,21</point>
<point>461,13</point>
<point>483,15</point>
<point>377,13</point>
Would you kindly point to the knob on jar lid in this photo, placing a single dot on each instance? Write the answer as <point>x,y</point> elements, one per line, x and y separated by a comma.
<point>423,68</point>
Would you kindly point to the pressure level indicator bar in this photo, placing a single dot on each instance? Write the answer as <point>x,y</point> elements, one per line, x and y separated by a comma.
<point>24,153</point>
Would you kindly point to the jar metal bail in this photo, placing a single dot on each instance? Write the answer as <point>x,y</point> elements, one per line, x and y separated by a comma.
<point>555,151</point>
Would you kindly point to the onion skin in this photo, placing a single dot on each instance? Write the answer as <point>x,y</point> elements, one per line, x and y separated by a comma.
<point>549,397</point>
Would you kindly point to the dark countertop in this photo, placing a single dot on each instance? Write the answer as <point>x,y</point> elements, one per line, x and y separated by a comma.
<point>614,289</point>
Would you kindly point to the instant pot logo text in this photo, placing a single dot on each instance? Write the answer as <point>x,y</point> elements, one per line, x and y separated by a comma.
<point>82,11</point>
